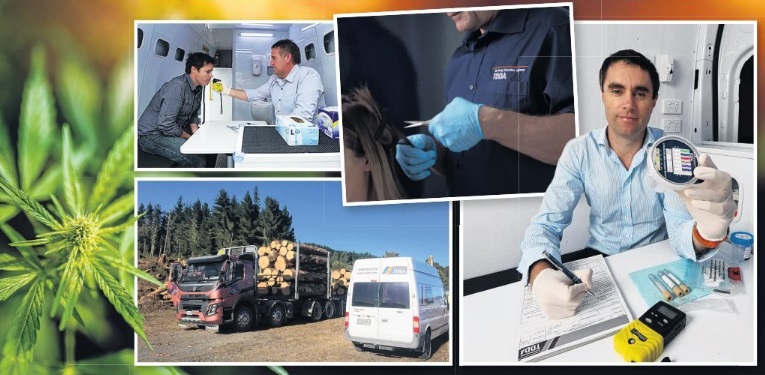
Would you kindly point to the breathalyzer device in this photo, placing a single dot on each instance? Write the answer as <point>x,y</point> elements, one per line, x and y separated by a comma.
<point>644,339</point>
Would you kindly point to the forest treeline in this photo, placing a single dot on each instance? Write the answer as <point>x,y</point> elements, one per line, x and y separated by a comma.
<point>196,229</point>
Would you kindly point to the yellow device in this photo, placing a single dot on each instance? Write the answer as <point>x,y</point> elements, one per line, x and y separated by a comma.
<point>644,339</point>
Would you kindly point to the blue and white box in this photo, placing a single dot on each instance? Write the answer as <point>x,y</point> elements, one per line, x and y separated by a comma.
<point>327,119</point>
<point>297,131</point>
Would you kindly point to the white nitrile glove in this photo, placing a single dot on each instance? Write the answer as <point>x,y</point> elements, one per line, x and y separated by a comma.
<point>221,88</point>
<point>558,296</point>
<point>710,202</point>
<point>417,157</point>
<point>457,126</point>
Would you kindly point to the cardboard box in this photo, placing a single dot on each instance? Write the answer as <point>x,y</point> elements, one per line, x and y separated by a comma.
<point>327,119</point>
<point>297,131</point>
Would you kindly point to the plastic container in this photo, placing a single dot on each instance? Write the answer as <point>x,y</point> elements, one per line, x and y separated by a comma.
<point>743,242</point>
<point>671,164</point>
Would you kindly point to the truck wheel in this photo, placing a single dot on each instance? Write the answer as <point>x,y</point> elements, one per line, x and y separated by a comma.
<point>359,347</point>
<point>276,315</point>
<point>427,350</point>
<point>243,318</point>
<point>316,312</point>
<point>329,310</point>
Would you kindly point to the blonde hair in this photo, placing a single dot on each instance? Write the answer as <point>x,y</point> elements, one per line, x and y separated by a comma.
<point>368,133</point>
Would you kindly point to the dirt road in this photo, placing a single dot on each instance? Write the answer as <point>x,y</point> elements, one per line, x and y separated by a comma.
<point>299,341</point>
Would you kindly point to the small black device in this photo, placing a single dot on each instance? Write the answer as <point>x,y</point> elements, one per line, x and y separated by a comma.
<point>644,339</point>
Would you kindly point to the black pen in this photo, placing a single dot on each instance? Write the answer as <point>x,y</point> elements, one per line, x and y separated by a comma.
<point>565,270</point>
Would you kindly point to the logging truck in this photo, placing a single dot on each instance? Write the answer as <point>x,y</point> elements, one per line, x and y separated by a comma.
<point>243,288</point>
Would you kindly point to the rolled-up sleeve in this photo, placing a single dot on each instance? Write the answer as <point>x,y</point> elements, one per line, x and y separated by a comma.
<point>680,227</point>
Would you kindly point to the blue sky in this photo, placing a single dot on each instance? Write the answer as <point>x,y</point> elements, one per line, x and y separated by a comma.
<point>318,215</point>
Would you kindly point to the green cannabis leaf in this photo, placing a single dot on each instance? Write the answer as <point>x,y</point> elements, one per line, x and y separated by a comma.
<point>82,243</point>
<point>37,129</point>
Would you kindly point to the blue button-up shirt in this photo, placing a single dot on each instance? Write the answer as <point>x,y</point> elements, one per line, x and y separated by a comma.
<point>300,93</point>
<point>172,108</point>
<point>523,64</point>
<point>625,211</point>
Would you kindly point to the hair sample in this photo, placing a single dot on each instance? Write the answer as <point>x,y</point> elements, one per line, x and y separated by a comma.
<point>367,132</point>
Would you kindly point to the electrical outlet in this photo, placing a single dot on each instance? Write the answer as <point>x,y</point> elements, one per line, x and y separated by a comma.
<point>672,107</point>
<point>672,125</point>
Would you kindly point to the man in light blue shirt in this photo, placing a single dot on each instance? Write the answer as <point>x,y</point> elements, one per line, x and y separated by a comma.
<point>608,166</point>
<point>293,89</point>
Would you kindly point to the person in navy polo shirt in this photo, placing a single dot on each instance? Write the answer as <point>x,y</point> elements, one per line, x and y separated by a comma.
<point>511,105</point>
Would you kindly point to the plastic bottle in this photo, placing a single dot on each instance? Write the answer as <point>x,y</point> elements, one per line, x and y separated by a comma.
<point>744,242</point>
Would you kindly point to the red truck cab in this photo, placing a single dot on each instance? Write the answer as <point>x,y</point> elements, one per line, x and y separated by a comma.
<point>215,290</point>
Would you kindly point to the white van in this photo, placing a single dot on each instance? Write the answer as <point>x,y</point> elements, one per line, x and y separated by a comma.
<point>395,303</point>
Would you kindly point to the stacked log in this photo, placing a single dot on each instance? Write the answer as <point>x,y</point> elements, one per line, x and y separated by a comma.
<point>341,279</point>
<point>278,262</point>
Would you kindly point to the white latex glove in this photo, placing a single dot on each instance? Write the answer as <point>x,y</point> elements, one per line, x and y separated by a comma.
<point>557,296</point>
<point>710,202</point>
<point>221,88</point>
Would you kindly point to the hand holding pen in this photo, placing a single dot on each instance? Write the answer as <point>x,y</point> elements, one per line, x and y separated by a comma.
<point>560,292</point>
<point>557,264</point>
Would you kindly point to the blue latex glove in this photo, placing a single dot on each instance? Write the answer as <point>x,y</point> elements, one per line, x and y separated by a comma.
<point>416,159</point>
<point>457,126</point>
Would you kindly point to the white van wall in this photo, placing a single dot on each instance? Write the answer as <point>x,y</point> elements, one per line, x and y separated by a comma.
<point>154,70</point>
<point>325,40</point>
<point>244,49</point>
<point>488,246</point>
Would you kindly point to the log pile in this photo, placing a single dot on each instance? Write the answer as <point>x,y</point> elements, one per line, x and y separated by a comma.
<point>278,262</point>
<point>159,267</point>
<point>341,279</point>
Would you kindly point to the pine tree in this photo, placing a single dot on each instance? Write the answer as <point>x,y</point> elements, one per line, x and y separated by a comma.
<point>248,215</point>
<point>223,221</point>
<point>286,232</point>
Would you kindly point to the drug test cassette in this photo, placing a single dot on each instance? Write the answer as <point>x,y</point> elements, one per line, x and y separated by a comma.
<point>672,160</point>
<point>297,131</point>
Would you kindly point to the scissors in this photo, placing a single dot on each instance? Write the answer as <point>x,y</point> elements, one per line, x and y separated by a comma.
<point>414,124</point>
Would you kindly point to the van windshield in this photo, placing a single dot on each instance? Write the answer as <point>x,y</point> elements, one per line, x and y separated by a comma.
<point>382,295</point>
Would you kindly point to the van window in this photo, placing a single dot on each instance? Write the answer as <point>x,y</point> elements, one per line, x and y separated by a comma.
<point>382,295</point>
<point>394,295</point>
<point>310,52</point>
<point>427,295</point>
<point>365,295</point>
<point>162,48</point>
<point>329,42</point>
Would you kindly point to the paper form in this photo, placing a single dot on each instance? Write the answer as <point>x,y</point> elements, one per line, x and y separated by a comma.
<point>598,316</point>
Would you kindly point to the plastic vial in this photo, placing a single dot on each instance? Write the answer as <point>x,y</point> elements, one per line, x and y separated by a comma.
<point>744,241</point>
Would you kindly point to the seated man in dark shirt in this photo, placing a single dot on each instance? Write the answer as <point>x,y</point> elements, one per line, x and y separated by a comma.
<point>173,113</point>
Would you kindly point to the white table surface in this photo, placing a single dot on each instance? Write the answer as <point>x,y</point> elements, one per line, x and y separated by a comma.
<point>214,137</point>
<point>489,322</point>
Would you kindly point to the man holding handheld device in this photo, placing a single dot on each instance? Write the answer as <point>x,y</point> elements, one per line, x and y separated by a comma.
<point>608,166</point>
